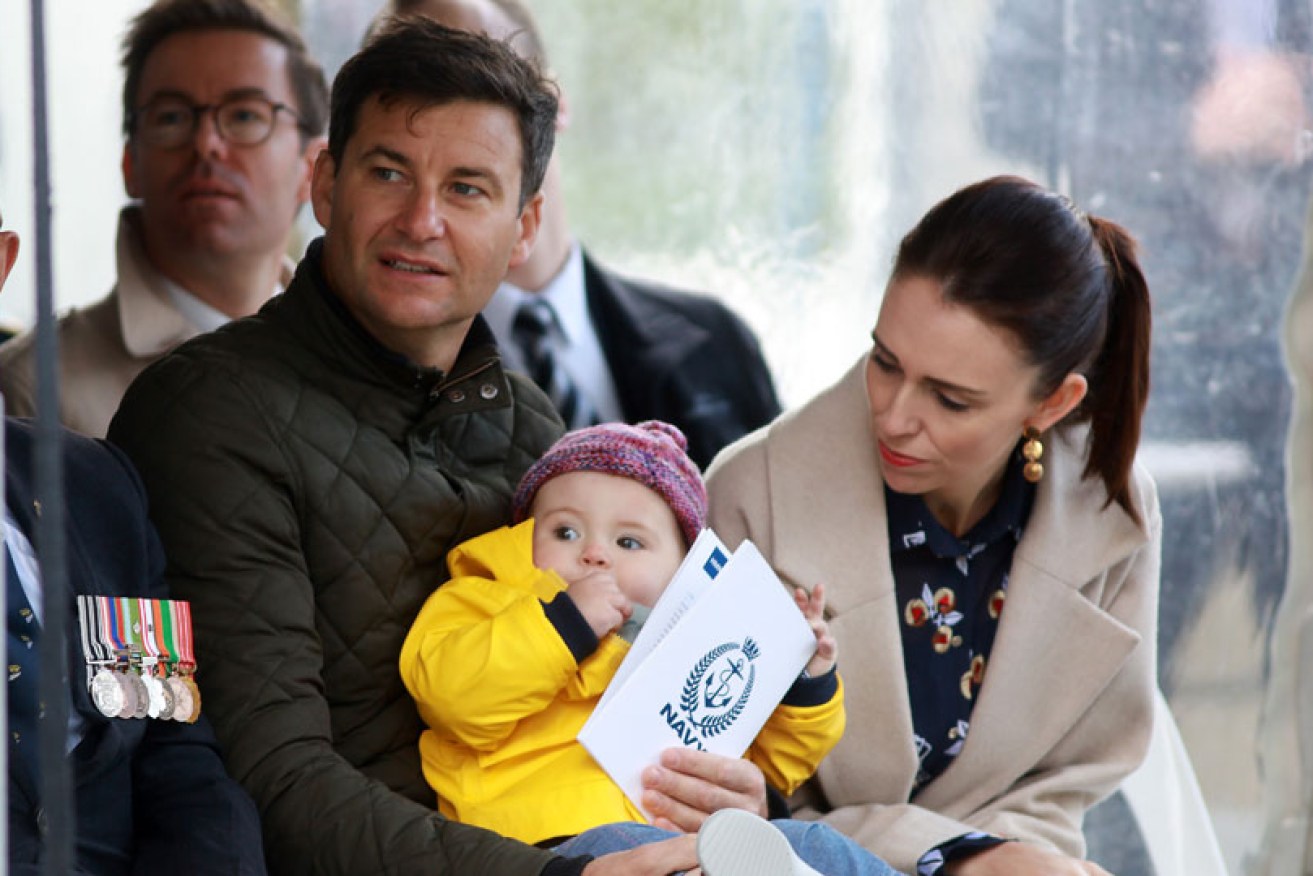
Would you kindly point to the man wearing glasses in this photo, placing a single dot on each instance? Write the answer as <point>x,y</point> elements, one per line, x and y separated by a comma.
<point>223,111</point>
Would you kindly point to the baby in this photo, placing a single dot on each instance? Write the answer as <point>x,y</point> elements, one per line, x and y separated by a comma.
<point>507,660</point>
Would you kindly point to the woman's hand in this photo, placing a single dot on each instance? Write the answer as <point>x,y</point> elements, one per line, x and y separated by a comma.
<point>1022,859</point>
<point>687,786</point>
<point>655,859</point>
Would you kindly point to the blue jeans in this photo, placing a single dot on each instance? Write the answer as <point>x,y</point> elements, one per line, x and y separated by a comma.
<point>822,847</point>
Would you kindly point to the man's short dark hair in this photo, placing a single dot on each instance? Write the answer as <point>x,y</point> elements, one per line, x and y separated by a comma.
<point>525,38</point>
<point>165,18</point>
<point>418,61</point>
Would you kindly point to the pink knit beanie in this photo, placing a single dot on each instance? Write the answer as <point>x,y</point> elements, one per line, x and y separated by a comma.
<point>653,453</point>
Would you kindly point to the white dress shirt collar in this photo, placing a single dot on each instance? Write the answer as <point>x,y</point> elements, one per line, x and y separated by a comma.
<point>578,348</point>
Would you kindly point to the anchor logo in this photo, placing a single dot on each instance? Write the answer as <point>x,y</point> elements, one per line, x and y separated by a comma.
<point>720,685</point>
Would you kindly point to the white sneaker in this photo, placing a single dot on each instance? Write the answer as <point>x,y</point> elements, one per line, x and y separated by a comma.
<point>733,842</point>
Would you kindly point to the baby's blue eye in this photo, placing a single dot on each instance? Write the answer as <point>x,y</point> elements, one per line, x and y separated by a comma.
<point>629,543</point>
<point>566,533</point>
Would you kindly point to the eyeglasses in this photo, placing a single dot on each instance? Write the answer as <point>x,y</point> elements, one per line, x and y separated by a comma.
<point>170,122</point>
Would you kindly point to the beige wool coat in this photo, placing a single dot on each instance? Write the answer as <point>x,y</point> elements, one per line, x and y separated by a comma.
<point>1065,711</point>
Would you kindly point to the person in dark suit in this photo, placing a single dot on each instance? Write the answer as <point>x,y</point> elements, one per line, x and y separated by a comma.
<point>607,347</point>
<point>680,357</point>
<point>151,796</point>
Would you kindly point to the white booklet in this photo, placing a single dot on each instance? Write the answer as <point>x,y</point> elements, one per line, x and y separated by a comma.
<point>717,654</point>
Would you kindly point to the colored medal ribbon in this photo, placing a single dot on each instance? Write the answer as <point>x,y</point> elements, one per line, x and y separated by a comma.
<point>115,628</point>
<point>182,629</point>
<point>183,702</point>
<point>105,636</point>
<point>166,625</point>
<point>91,645</point>
<point>135,629</point>
<point>130,631</point>
<point>148,642</point>
<point>173,704</point>
<point>102,684</point>
<point>115,696</point>
<point>185,688</point>
<point>160,702</point>
<point>158,632</point>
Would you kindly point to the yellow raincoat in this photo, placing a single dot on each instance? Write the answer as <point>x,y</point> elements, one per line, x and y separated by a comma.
<point>504,699</point>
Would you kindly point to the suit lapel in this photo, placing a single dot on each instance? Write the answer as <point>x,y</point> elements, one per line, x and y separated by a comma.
<point>81,580</point>
<point>19,489</point>
<point>638,339</point>
<point>20,499</point>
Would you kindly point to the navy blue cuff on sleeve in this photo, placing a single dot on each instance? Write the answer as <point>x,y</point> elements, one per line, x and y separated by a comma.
<point>571,626</point>
<point>933,861</point>
<point>813,691</point>
<point>566,866</point>
<point>776,804</point>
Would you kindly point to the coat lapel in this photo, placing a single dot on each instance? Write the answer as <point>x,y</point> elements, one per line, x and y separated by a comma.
<point>1056,650</point>
<point>838,536</point>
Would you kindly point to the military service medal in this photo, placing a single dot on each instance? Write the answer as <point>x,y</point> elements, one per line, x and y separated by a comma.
<point>139,657</point>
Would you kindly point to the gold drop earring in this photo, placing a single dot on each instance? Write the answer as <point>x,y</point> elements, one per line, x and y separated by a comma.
<point>1032,450</point>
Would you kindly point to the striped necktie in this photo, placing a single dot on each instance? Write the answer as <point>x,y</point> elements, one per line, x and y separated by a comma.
<point>532,330</point>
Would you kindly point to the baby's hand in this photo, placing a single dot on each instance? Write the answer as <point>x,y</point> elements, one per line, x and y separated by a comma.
<point>813,608</point>
<point>599,600</point>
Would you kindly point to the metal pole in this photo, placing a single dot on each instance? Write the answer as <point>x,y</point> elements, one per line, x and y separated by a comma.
<point>56,787</point>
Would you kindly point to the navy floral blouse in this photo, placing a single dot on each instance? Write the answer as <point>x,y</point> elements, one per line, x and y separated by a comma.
<point>951,592</point>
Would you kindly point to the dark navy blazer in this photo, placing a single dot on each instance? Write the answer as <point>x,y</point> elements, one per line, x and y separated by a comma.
<point>151,796</point>
<point>679,357</point>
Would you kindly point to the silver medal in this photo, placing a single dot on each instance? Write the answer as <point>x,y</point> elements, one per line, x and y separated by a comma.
<point>129,709</point>
<point>155,696</point>
<point>182,702</point>
<point>107,693</point>
<point>142,695</point>
<point>167,701</point>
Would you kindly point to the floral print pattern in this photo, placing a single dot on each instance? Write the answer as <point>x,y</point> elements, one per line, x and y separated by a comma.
<point>951,594</point>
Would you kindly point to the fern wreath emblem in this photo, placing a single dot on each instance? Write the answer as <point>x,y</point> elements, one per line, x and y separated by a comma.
<point>690,700</point>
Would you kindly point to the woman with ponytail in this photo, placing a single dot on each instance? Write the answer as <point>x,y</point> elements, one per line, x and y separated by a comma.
<point>968,495</point>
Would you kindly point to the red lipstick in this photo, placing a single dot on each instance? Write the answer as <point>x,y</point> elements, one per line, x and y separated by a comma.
<point>896,459</point>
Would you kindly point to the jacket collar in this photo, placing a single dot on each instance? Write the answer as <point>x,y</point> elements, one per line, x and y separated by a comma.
<point>312,310</point>
<point>150,323</point>
<point>911,523</point>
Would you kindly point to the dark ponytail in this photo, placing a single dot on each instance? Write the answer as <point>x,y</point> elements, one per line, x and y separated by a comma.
<point>1066,286</point>
<point>1119,379</point>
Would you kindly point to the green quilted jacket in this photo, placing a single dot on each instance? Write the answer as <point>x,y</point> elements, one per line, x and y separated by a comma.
<point>307,484</point>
